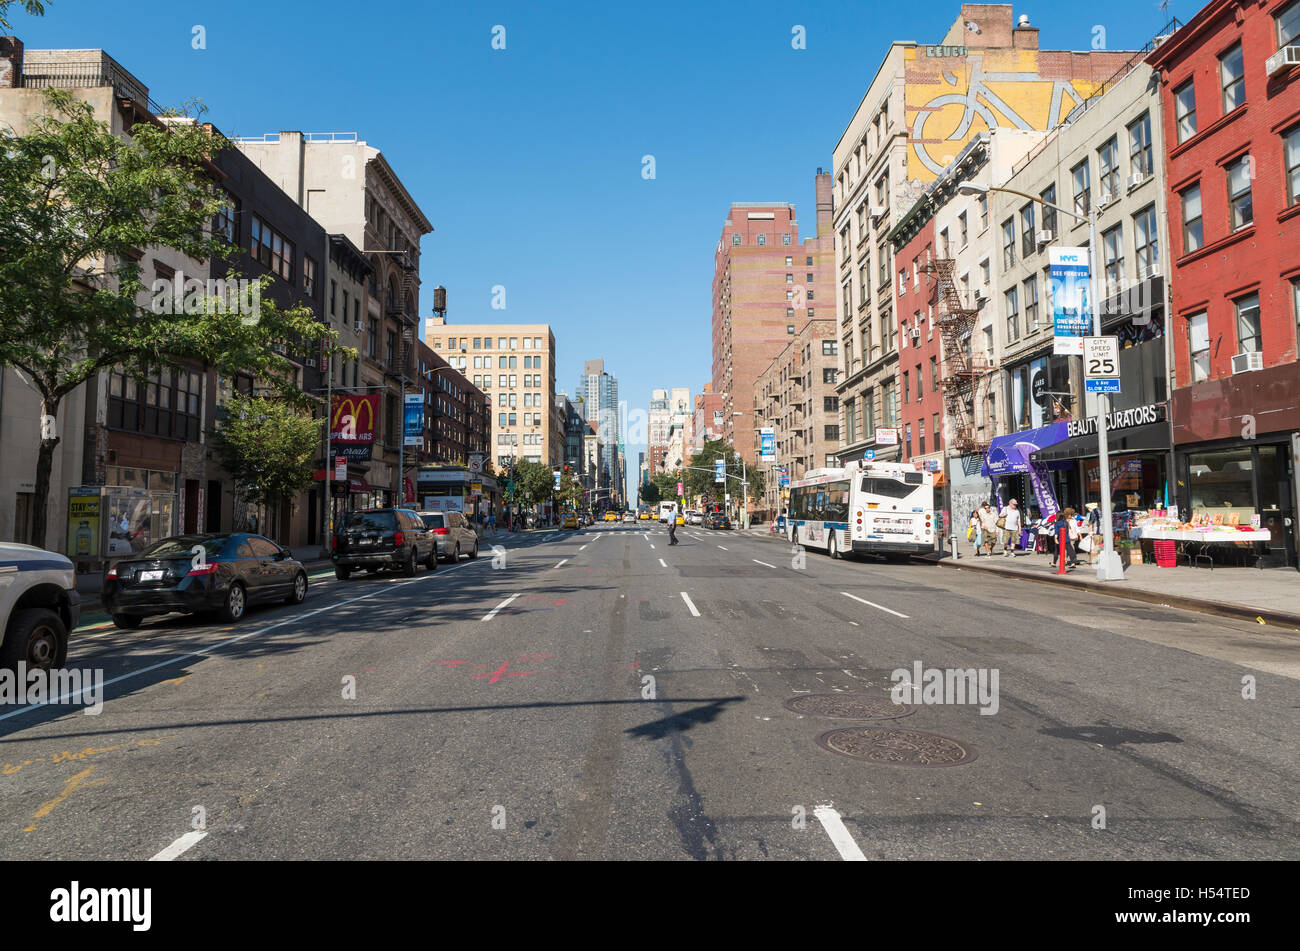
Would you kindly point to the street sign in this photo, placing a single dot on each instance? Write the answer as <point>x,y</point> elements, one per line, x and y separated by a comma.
<point>1101,364</point>
<point>886,437</point>
<point>340,468</point>
<point>476,463</point>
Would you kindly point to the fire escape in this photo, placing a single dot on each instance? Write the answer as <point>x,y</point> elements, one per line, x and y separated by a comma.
<point>966,377</point>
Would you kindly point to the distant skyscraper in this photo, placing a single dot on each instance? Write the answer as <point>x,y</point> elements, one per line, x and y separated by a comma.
<point>599,393</point>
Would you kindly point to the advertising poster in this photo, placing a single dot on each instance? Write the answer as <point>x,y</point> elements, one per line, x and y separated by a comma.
<point>413,419</point>
<point>352,425</point>
<point>83,522</point>
<point>767,436</point>
<point>1071,319</point>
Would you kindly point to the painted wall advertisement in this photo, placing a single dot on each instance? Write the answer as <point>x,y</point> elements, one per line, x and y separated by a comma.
<point>83,522</point>
<point>352,425</point>
<point>1071,319</point>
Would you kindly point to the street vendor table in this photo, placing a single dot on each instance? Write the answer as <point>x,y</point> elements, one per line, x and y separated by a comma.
<point>1195,545</point>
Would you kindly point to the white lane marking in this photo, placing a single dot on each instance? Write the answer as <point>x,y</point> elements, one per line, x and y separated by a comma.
<point>873,604</point>
<point>493,613</point>
<point>180,846</point>
<point>652,546</point>
<point>584,546</point>
<point>840,838</point>
<point>724,548</point>
<point>562,561</point>
<point>74,695</point>
<point>763,563</point>
<point>662,562</point>
<point>690,604</point>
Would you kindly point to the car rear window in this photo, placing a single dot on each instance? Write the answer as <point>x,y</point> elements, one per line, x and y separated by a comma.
<point>434,521</point>
<point>184,545</point>
<point>370,521</point>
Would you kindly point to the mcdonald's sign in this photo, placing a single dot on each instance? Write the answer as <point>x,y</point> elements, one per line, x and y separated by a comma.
<point>352,425</point>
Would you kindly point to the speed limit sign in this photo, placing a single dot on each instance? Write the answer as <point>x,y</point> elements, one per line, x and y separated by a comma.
<point>1101,364</point>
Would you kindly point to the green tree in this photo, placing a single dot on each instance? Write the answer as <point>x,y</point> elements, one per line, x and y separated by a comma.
<point>534,482</point>
<point>571,492</point>
<point>666,483</point>
<point>77,206</point>
<point>650,494</point>
<point>268,446</point>
<point>699,478</point>
<point>33,7</point>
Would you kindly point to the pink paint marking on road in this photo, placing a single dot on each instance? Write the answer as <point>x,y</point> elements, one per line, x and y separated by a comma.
<point>500,672</point>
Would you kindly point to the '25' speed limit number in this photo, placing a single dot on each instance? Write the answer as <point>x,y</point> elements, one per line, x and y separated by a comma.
<point>1100,357</point>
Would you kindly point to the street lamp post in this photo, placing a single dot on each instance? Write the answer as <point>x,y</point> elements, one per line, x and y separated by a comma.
<point>1110,568</point>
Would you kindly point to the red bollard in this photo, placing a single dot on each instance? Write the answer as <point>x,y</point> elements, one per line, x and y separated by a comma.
<point>1060,548</point>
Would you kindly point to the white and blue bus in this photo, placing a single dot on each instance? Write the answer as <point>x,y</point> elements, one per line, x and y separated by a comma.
<point>864,508</point>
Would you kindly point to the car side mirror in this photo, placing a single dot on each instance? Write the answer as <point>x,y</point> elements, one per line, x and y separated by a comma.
<point>282,554</point>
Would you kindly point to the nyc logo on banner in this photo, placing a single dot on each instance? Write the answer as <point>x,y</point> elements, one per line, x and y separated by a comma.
<point>1071,315</point>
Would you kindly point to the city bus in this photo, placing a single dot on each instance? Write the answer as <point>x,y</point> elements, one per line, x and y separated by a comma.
<point>864,508</point>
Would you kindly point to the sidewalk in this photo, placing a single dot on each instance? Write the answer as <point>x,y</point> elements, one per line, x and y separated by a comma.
<point>1272,594</point>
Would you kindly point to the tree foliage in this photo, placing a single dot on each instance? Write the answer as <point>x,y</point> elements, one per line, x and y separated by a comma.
<point>268,446</point>
<point>650,494</point>
<point>33,7</point>
<point>80,209</point>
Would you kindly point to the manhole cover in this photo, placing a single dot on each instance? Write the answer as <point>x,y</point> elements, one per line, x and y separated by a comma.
<point>892,747</point>
<point>848,706</point>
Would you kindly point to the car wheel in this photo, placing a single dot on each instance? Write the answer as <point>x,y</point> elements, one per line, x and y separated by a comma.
<point>127,622</point>
<point>299,593</point>
<point>408,566</point>
<point>235,604</point>
<point>343,574</point>
<point>36,636</point>
<point>474,552</point>
<point>432,561</point>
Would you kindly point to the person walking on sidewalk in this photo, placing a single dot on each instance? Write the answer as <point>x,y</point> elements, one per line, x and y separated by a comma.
<point>988,526</point>
<point>1071,537</point>
<point>1009,518</point>
<point>974,533</point>
<point>672,526</point>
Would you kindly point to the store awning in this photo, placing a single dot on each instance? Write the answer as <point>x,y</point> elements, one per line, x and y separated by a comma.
<point>1010,454</point>
<point>354,484</point>
<point>1153,437</point>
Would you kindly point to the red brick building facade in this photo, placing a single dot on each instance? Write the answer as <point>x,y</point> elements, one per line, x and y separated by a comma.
<point>1232,124</point>
<point>919,401</point>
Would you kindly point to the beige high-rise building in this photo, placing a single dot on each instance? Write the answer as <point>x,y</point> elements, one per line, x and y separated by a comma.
<point>514,366</point>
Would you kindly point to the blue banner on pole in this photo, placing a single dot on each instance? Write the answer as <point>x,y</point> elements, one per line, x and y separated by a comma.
<point>1068,272</point>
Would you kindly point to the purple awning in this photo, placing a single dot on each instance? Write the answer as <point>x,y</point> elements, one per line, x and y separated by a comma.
<point>1010,454</point>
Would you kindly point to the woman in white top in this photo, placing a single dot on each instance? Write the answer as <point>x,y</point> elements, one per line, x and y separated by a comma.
<point>988,517</point>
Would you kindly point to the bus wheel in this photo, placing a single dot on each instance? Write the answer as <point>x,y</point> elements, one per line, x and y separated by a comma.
<point>832,546</point>
<point>794,536</point>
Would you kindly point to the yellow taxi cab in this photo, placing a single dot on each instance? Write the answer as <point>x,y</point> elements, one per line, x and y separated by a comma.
<point>611,517</point>
<point>644,516</point>
<point>570,520</point>
<point>681,520</point>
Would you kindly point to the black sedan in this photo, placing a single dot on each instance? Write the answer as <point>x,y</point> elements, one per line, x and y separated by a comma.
<point>195,573</point>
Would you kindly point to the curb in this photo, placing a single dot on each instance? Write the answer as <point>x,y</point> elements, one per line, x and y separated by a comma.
<point>1134,594</point>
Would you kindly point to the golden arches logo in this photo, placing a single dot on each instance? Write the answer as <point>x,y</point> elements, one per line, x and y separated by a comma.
<point>350,412</point>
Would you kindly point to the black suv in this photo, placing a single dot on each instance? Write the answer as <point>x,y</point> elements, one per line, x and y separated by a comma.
<point>376,539</point>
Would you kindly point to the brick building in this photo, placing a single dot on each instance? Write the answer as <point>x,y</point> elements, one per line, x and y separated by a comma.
<point>766,284</point>
<point>795,396</point>
<point>1231,113</point>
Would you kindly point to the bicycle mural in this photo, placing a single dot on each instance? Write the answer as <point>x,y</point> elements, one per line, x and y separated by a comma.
<point>954,93</point>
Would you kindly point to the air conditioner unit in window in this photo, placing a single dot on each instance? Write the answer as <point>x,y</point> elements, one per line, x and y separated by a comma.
<point>1284,58</point>
<point>1046,237</point>
<point>356,325</point>
<point>915,334</point>
<point>1105,199</point>
<point>1151,270</point>
<point>1246,362</point>
<point>878,212</point>
<point>1136,179</point>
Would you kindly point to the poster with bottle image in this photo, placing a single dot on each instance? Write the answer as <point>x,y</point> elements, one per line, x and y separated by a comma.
<point>83,522</point>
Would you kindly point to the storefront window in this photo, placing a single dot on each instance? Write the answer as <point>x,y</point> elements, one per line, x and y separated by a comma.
<point>1222,484</point>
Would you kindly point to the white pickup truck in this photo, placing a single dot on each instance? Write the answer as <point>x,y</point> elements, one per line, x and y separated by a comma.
<point>39,606</point>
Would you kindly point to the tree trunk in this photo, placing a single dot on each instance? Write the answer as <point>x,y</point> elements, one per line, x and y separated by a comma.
<point>44,467</point>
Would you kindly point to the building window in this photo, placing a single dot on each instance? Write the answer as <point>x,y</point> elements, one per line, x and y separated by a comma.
<point>1249,339</point>
<point>1288,25</point>
<point>372,339</point>
<point>762,241</point>
<point>1291,156</point>
<point>1185,110</point>
<point>1082,187</point>
<point>1139,146</point>
<point>830,348</point>
<point>789,261</point>
<point>1012,300</point>
<point>1008,244</point>
<point>1027,227</point>
<point>907,387</point>
<point>223,225</point>
<point>334,287</point>
<point>1112,249</point>
<point>828,374</point>
<point>785,239</point>
<point>1198,339</point>
<point>1240,210</point>
<point>887,343</point>
<point>735,240</point>
<point>850,421</point>
<point>1108,170</point>
<point>890,407</point>
<point>271,249</point>
<point>1031,304</point>
<point>833,432</point>
<point>1193,234</point>
<point>1232,77</point>
<point>1048,195</point>
<point>831,404</point>
<point>789,328</point>
<point>962,231</point>
<point>1146,242</point>
<point>309,278</point>
<point>984,212</point>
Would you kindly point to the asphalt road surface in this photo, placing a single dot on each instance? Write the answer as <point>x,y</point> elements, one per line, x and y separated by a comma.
<point>600,694</point>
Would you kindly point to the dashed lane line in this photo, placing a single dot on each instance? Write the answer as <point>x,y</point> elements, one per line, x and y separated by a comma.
<point>873,604</point>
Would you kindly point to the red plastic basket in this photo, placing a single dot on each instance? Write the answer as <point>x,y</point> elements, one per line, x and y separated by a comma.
<point>1166,553</point>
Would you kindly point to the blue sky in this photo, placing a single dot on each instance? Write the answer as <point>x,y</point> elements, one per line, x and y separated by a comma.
<point>528,160</point>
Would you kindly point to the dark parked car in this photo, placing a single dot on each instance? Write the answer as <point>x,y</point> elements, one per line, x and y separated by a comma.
<point>376,539</point>
<point>193,573</point>
<point>717,520</point>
